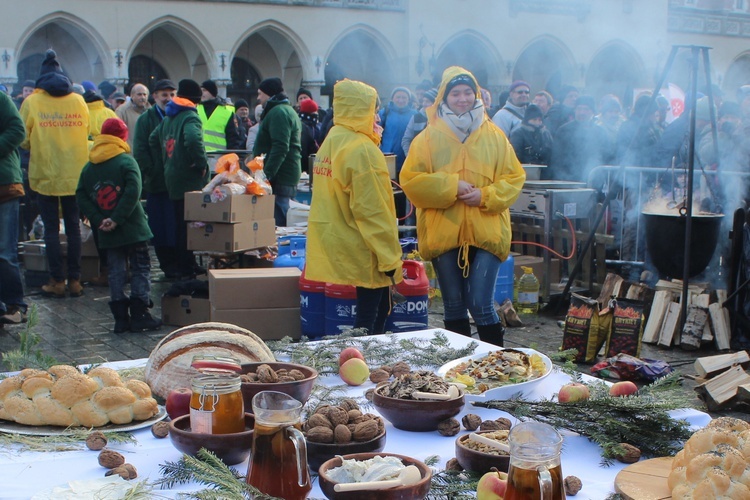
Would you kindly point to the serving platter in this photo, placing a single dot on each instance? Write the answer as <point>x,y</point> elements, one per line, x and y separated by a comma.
<point>503,391</point>
<point>51,430</point>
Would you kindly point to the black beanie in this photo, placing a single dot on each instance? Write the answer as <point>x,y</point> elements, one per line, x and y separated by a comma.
<point>464,79</point>
<point>211,87</point>
<point>29,83</point>
<point>271,86</point>
<point>50,64</point>
<point>106,89</point>
<point>532,111</point>
<point>189,89</point>
<point>303,91</point>
<point>241,103</point>
<point>586,100</point>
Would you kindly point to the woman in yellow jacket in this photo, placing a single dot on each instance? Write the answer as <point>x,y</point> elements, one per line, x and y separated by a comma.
<point>352,236</point>
<point>462,175</point>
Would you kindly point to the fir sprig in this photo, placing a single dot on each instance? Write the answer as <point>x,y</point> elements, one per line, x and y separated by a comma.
<point>641,420</point>
<point>26,356</point>
<point>377,349</point>
<point>453,485</point>
<point>72,440</point>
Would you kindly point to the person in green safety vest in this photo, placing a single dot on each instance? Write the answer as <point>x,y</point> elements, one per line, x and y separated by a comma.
<point>220,127</point>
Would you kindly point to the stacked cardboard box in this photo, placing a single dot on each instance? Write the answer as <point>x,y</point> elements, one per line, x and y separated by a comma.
<point>184,310</point>
<point>234,224</point>
<point>265,301</point>
<point>37,268</point>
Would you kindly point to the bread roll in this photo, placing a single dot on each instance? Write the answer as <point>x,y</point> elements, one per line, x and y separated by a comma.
<point>169,367</point>
<point>65,397</point>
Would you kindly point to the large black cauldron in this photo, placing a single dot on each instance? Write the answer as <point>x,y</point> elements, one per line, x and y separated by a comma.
<point>665,239</point>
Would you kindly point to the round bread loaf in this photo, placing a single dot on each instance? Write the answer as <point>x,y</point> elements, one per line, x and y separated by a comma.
<point>169,365</point>
<point>63,396</point>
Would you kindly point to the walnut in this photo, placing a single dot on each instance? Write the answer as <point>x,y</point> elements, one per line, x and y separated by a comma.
<point>342,434</point>
<point>110,459</point>
<point>318,420</point>
<point>338,415</point>
<point>349,404</point>
<point>381,425</point>
<point>365,431</point>
<point>125,471</point>
<point>449,427</point>
<point>160,430</point>
<point>353,414</point>
<point>379,376</point>
<point>400,368</point>
<point>387,368</point>
<point>471,421</point>
<point>505,424</point>
<point>453,464</point>
<point>490,425</point>
<point>320,434</point>
<point>368,394</point>
<point>363,417</point>
<point>296,374</point>
<point>266,375</point>
<point>96,441</point>
<point>249,378</point>
<point>572,485</point>
<point>351,427</point>
<point>323,410</point>
<point>627,453</point>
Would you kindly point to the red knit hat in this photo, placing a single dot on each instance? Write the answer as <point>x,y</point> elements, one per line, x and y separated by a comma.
<point>116,127</point>
<point>308,106</point>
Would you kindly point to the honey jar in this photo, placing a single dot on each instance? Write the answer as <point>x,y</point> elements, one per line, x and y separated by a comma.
<point>216,405</point>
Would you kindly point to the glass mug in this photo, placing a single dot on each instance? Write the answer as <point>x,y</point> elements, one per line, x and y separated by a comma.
<point>535,471</point>
<point>278,463</point>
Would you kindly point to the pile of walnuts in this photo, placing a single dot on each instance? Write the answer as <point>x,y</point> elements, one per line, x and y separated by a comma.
<point>264,374</point>
<point>342,424</point>
<point>385,372</point>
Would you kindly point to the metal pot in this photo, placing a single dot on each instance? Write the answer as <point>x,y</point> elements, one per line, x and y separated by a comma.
<point>665,237</point>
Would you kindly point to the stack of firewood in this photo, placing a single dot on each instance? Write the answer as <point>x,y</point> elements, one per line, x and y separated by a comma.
<point>722,380</point>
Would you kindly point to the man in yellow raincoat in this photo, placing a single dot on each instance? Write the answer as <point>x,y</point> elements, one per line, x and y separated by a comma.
<point>352,236</point>
<point>462,175</point>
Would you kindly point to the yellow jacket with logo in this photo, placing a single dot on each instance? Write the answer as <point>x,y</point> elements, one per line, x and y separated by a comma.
<point>352,237</point>
<point>98,114</point>
<point>437,160</point>
<point>57,130</point>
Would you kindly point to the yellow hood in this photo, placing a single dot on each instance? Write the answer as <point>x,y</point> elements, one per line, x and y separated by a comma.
<point>354,107</point>
<point>107,147</point>
<point>448,75</point>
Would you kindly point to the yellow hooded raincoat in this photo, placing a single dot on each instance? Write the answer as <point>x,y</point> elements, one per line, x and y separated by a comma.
<point>438,160</point>
<point>352,235</point>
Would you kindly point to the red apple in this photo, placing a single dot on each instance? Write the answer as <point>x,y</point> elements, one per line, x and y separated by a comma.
<point>624,388</point>
<point>492,485</point>
<point>572,393</point>
<point>354,371</point>
<point>178,402</point>
<point>349,353</point>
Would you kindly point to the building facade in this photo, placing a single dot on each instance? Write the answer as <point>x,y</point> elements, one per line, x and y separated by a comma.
<point>602,46</point>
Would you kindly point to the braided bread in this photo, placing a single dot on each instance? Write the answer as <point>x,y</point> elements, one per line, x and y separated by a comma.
<point>63,396</point>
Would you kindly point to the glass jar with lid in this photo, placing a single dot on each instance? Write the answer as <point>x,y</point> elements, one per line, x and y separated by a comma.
<point>216,405</point>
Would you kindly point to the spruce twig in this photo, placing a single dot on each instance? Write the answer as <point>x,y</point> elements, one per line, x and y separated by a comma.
<point>26,356</point>
<point>71,441</point>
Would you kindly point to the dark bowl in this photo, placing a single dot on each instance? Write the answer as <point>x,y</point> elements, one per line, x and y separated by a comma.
<point>299,389</point>
<point>317,453</point>
<point>479,461</point>
<point>231,448</point>
<point>413,415</point>
<point>412,492</point>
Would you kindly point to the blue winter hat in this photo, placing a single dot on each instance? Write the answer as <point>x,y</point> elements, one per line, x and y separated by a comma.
<point>88,86</point>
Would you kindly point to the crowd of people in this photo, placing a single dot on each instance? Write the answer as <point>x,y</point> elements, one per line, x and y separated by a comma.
<point>82,151</point>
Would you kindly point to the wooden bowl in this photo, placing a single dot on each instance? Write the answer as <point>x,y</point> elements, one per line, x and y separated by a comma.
<point>412,492</point>
<point>414,415</point>
<point>231,448</point>
<point>479,461</point>
<point>299,389</point>
<point>318,453</point>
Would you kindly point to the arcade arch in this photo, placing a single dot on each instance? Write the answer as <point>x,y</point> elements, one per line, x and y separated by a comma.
<point>473,52</point>
<point>361,54</point>
<point>615,69</point>
<point>546,64</point>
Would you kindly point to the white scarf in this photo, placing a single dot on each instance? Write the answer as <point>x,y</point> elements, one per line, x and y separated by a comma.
<point>465,123</point>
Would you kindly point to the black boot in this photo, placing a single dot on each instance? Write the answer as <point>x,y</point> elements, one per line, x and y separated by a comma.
<point>492,334</point>
<point>140,319</point>
<point>119,310</point>
<point>461,326</point>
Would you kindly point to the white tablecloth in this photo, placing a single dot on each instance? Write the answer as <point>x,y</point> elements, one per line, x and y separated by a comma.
<point>24,474</point>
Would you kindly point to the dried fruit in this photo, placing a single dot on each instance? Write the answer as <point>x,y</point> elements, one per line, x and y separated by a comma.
<point>249,377</point>
<point>572,485</point>
<point>338,415</point>
<point>627,453</point>
<point>449,427</point>
<point>266,375</point>
<point>320,435</point>
<point>342,434</point>
<point>110,459</point>
<point>491,425</point>
<point>379,376</point>
<point>125,471</point>
<point>286,378</point>
<point>471,421</point>
<point>96,441</point>
<point>364,431</point>
<point>319,420</point>
<point>296,374</point>
<point>160,430</point>
<point>453,464</point>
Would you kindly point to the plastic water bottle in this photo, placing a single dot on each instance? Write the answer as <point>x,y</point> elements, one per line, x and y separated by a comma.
<point>528,292</point>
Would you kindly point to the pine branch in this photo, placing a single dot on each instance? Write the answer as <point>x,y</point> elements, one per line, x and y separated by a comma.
<point>26,356</point>
<point>453,485</point>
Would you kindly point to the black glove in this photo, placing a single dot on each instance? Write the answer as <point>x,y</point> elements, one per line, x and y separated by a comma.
<point>390,273</point>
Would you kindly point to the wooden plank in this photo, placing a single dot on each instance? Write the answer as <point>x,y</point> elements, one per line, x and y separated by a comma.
<point>671,325</point>
<point>659,307</point>
<point>719,391</point>
<point>608,288</point>
<point>708,366</point>
<point>719,325</point>
<point>636,291</point>
<point>693,330</point>
<point>645,480</point>
<point>702,300</point>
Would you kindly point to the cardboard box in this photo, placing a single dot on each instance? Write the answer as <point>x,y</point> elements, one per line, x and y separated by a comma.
<point>268,324</point>
<point>184,310</point>
<point>35,255</point>
<point>276,287</point>
<point>227,238</point>
<point>236,208</point>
